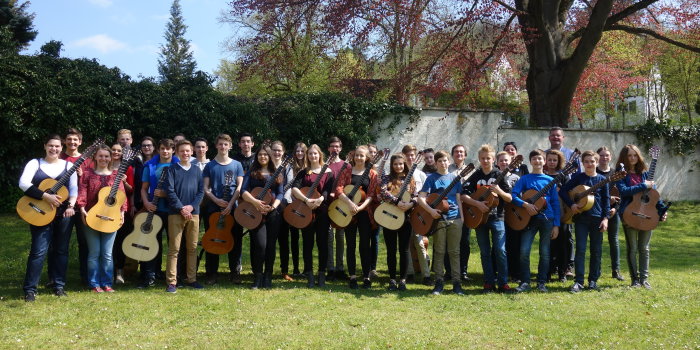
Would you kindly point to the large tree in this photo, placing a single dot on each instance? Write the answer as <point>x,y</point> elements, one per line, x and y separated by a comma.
<point>176,61</point>
<point>15,19</point>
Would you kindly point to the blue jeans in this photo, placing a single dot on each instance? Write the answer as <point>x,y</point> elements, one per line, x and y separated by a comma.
<point>585,226</point>
<point>100,264</point>
<point>498,239</point>
<point>42,236</point>
<point>614,241</point>
<point>544,226</point>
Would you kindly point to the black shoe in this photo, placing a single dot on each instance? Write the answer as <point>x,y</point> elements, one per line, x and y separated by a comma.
<point>457,288</point>
<point>592,285</point>
<point>366,284</point>
<point>402,286</point>
<point>353,283</point>
<point>410,279</point>
<point>428,281</point>
<point>465,278</point>
<point>29,297</point>
<point>542,288</point>
<point>646,284</point>
<point>437,290</point>
<point>267,282</point>
<point>310,280</point>
<point>635,284</point>
<point>577,287</point>
<point>146,283</point>
<point>59,292</point>
<point>160,276</point>
<point>50,285</point>
<point>258,283</point>
<point>321,280</point>
<point>392,285</point>
<point>297,274</point>
<point>235,278</point>
<point>616,275</point>
<point>330,276</point>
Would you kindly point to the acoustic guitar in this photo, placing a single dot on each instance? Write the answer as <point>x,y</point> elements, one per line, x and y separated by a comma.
<point>218,238</point>
<point>346,164</point>
<point>39,212</point>
<point>641,213</point>
<point>388,214</point>
<point>105,215</point>
<point>473,217</point>
<point>339,210</point>
<point>584,196</point>
<point>141,244</point>
<point>246,214</point>
<point>297,213</point>
<point>516,217</point>
<point>421,220</point>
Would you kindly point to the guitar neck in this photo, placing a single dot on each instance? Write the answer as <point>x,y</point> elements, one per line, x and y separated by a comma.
<point>541,192</point>
<point>120,174</point>
<point>271,180</point>
<point>444,192</point>
<point>652,170</point>
<point>407,181</point>
<point>365,176</point>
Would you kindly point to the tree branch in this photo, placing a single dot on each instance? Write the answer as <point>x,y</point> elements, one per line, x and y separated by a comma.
<point>616,17</point>
<point>511,8</point>
<point>498,41</point>
<point>651,33</point>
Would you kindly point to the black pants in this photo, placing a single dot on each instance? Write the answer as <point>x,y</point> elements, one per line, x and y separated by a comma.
<point>149,268</point>
<point>319,230</point>
<point>403,236</point>
<point>363,225</point>
<point>287,232</point>
<point>561,250</point>
<point>513,252</point>
<point>263,241</point>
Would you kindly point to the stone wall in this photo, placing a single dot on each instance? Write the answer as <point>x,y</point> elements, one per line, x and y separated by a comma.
<point>677,176</point>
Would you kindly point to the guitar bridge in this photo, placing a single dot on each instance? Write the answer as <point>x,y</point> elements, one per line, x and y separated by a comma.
<point>341,211</point>
<point>248,213</point>
<point>37,209</point>
<point>105,218</point>
<point>641,215</point>
<point>389,214</point>
<point>217,240</point>
<point>139,246</point>
<point>298,213</point>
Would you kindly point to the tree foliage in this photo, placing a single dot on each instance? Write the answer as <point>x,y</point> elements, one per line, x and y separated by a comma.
<point>176,61</point>
<point>18,22</point>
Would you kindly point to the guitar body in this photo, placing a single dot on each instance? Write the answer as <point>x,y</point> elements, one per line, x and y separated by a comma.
<point>421,221</point>
<point>516,217</point>
<point>473,217</point>
<point>106,217</point>
<point>389,216</point>
<point>297,213</point>
<point>39,212</point>
<point>584,203</point>
<point>339,211</point>
<point>641,213</point>
<point>246,214</point>
<point>218,238</point>
<point>141,244</point>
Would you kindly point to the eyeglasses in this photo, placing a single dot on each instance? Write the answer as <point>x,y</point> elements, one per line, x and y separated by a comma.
<point>147,146</point>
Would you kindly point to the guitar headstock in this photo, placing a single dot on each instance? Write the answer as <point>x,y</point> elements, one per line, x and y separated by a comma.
<point>654,152</point>
<point>515,163</point>
<point>468,169</point>
<point>228,178</point>
<point>419,158</point>
<point>90,150</point>
<point>129,154</point>
<point>618,175</point>
<point>286,160</point>
<point>331,157</point>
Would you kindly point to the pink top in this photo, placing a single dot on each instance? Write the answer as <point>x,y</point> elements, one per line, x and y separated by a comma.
<point>90,185</point>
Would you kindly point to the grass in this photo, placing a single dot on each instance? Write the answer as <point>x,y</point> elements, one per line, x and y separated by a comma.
<point>292,316</point>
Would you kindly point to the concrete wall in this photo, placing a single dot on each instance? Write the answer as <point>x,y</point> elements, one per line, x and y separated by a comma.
<point>677,176</point>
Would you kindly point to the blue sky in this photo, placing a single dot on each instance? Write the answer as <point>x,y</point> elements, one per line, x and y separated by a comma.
<point>128,33</point>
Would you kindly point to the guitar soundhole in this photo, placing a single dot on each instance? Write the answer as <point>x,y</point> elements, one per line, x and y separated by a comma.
<point>146,228</point>
<point>110,201</point>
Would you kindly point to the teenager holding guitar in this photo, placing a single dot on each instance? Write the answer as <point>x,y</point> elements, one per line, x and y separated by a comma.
<point>336,235</point>
<point>448,233</point>
<point>546,222</point>
<point>486,176</point>
<point>185,189</point>
<point>246,158</point>
<point>561,248</point>
<point>391,186</point>
<point>214,175</point>
<point>58,231</point>
<point>419,176</point>
<point>512,149</point>
<point>124,230</point>
<point>503,158</point>
<point>459,155</point>
<point>152,170</point>
<point>100,264</point>
<point>319,227</point>
<point>605,169</point>
<point>73,139</point>
<point>363,215</point>
<point>588,223</point>
<point>637,240</point>
<point>263,237</point>
<point>285,230</point>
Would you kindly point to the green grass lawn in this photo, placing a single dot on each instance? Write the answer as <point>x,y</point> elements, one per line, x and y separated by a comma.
<point>292,316</point>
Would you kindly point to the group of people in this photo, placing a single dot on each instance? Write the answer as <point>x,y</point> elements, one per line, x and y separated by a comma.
<point>195,186</point>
